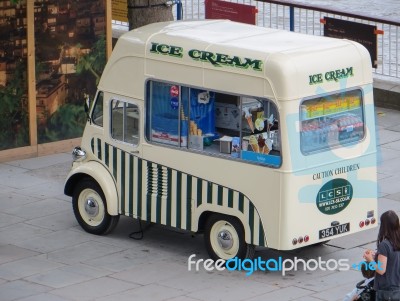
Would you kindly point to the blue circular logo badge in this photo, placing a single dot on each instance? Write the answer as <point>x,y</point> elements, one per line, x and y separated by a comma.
<point>174,103</point>
<point>334,196</point>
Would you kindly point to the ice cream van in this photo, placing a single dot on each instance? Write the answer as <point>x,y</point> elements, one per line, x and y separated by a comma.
<point>249,135</point>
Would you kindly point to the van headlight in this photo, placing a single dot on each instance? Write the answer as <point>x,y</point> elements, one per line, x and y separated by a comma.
<point>78,154</point>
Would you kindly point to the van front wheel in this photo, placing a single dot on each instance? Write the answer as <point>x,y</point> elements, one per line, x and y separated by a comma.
<point>224,238</point>
<point>90,208</point>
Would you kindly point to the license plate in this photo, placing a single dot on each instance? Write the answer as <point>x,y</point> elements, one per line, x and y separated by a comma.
<point>335,230</point>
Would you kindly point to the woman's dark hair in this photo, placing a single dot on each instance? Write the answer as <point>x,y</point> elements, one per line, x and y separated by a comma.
<point>390,229</point>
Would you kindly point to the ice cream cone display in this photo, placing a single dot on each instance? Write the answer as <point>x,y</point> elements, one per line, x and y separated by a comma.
<point>254,144</point>
<point>250,122</point>
<point>266,150</point>
<point>194,129</point>
<point>259,124</point>
<point>261,143</point>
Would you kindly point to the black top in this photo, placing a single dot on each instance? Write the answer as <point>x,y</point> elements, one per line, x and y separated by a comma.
<point>391,278</point>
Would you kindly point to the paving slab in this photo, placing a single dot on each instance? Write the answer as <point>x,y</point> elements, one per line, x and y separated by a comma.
<point>10,253</point>
<point>14,290</point>
<point>44,297</point>
<point>26,267</point>
<point>41,162</point>
<point>95,289</point>
<point>67,275</point>
<point>82,252</point>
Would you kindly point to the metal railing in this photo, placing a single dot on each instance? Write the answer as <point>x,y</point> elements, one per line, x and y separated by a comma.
<point>302,18</point>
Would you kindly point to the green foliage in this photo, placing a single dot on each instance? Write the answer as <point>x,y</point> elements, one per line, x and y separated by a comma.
<point>66,123</point>
<point>95,61</point>
<point>14,130</point>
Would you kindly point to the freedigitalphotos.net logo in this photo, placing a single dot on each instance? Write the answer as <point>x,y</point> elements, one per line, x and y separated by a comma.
<point>277,265</point>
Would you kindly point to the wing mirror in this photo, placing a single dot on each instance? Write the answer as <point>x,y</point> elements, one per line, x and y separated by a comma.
<point>87,107</point>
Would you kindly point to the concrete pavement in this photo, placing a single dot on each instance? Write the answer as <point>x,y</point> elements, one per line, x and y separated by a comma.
<point>45,255</point>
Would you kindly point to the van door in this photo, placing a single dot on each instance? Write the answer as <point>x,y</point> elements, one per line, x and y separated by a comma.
<point>124,152</point>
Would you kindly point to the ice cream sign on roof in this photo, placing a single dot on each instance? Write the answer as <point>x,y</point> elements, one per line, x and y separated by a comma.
<point>216,59</point>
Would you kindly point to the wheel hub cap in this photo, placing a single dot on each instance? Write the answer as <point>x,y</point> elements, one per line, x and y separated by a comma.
<point>91,207</point>
<point>225,240</point>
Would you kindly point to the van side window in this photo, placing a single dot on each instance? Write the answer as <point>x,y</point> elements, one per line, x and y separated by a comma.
<point>214,123</point>
<point>124,121</point>
<point>163,114</point>
<point>97,115</point>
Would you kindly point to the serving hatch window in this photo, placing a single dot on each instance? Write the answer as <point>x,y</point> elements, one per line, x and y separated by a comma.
<point>331,121</point>
<point>214,123</point>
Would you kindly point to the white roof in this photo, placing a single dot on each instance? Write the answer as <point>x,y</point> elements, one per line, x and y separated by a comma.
<point>287,58</point>
<point>225,33</point>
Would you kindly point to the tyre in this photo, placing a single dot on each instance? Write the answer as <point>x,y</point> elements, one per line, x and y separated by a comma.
<point>90,208</point>
<point>224,238</point>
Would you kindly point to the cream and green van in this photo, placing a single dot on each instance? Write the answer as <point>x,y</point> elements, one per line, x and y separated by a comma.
<point>252,136</point>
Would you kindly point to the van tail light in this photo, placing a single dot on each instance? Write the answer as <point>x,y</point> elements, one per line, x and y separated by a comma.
<point>300,240</point>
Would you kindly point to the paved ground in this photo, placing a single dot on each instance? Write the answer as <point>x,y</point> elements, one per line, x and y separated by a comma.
<point>45,255</point>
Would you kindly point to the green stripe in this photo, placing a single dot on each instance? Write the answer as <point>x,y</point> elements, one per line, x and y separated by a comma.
<point>261,241</point>
<point>149,178</point>
<point>107,154</point>
<point>251,221</point>
<point>99,155</point>
<point>122,182</point>
<point>149,190</point>
<point>209,192</point>
<point>159,194</point>
<point>230,198</point>
<point>160,177</point>
<point>178,199</point>
<point>139,190</point>
<point>148,207</point>
<point>158,209</point>
<point>199,191</point>
<point>241,202</point>
<point>169,196</point>
<point>220,195</point>
<point>189,203</point>
<point>115,163</point>
<point>131,167</point>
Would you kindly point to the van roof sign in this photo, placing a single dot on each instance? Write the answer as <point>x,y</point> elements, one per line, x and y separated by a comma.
<point>214,58</point>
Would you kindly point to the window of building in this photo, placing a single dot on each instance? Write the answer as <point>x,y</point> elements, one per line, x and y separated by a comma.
<point>214,123</point>
<point>331,121</point>
<point>124,121</point>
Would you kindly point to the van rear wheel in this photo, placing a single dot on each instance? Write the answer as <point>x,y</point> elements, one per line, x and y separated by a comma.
<point>90,208</point>
<point>224,238</point>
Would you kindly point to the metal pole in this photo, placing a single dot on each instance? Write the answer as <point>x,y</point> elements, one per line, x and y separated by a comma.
<point>179,10</point>
<point>291,17</point>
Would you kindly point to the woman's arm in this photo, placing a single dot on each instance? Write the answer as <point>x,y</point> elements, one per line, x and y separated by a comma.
<point>380,267</point>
